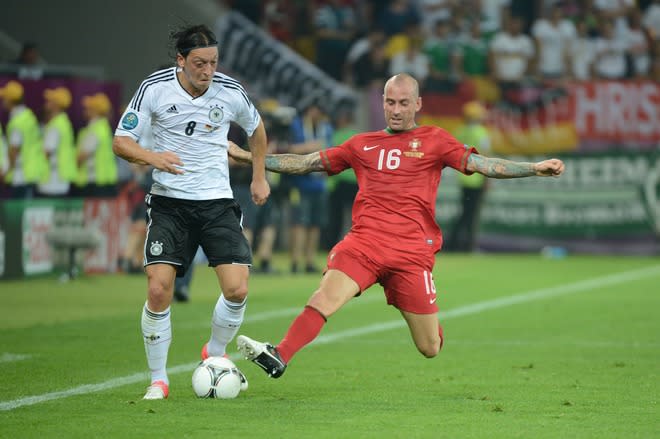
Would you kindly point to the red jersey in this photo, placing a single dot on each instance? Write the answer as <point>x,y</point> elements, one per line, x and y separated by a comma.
<point>398,174</point>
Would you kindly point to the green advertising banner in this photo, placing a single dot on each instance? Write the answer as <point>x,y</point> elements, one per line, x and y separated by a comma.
<point>601,201</point>
<point>24,228</point>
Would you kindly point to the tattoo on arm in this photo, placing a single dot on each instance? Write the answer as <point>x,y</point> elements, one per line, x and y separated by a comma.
<point>499,168</point>
<point>296,164</point>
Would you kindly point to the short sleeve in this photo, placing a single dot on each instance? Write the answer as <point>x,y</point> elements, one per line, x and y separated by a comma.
<point>247,115</point>
<point>455,154</point>
<point>137,115</point>
<point>337,158</point>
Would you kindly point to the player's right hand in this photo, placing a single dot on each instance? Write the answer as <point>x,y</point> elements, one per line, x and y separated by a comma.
<point>167,161</point>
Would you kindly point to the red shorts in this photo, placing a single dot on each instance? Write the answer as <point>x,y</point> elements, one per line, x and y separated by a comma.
<point>406,278</point>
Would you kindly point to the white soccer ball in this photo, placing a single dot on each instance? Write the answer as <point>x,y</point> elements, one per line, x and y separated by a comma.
<point>216,377</point>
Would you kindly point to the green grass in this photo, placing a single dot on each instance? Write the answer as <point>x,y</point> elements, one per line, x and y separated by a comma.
<point>583,363</point>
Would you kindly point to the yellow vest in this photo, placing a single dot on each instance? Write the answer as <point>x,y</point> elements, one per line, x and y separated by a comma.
<point>4,159</point>
<point>105,162</point>
<point>66,150</point>
<point>33,159</point>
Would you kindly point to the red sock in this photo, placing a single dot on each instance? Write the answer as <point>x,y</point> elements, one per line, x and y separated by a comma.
<point>302,331</point>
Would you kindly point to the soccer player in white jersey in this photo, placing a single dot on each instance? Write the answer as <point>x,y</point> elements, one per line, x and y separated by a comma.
<point>190,107</point>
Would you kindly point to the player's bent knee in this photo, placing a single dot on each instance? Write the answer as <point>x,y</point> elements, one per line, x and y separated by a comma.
<point>158,296</point>
<point>235,293</point>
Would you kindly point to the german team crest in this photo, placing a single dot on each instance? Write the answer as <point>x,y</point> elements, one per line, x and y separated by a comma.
<point>216,114</point>
<point>415,145</point>
<point>156,248</point>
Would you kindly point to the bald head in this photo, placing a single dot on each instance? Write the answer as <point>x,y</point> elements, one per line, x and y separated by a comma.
<point>403,80</point>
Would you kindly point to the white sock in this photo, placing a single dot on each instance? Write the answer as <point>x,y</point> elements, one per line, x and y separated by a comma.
<point>227,319</point>
<point>157,334</point>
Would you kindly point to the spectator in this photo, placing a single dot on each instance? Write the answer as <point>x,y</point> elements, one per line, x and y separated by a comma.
<point>335,29</point>
<point>396,16</point>
<point>27,161</point>
<point>495,14</point>
<point>615,11</point>
<point>4,166</point>
<point>473,187</point>
<point>433,10</point>
<point>609,54</point>
<point>132,254</point>
<point>310,132</point>
<point>651,20</point>
<point>553,37</point>
<point>29,62</point>
<point>257,220</point>
<point>371,69</point>
<point>472,53</point>
<point>399,43</point>
<point>443,55</point>
<point>343,187</point>
<point>582,52</point>
<point>277,20</point>
<point>638,46</point>
<point>58,144</point>
<point>412,61</point>
<point>359,48</point>
<point>655,63</point>
<point>511,55</point>
<point>97,164</point>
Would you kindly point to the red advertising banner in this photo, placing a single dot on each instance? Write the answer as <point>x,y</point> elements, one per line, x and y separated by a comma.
<point>106,215</point>
<point>540,119</point>
<point>616,112</point>
<point>36,222</point>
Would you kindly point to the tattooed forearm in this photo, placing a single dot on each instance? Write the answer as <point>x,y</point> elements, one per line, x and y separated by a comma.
<point>499,168</point>
<point>294,163</point>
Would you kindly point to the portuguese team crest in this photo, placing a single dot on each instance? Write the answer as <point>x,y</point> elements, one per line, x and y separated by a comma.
<point>414,145</point>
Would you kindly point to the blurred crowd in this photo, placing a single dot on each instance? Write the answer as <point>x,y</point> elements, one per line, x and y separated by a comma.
<point>441,42</point>
<point>41,155</point>
<point>497,44</point>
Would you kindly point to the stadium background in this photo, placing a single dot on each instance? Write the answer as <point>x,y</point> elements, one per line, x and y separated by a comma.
<point>608,132</point>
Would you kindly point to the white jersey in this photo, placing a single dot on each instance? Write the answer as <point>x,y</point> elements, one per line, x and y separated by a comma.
<point>195,128</point>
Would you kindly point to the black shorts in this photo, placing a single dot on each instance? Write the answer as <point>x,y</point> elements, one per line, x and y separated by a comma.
<point>175,228</point>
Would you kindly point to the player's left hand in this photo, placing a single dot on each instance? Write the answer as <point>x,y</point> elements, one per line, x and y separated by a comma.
<point>549,168</point>
<point>260,191</point>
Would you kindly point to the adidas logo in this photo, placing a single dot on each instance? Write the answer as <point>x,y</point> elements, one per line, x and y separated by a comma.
<point>173,109</point>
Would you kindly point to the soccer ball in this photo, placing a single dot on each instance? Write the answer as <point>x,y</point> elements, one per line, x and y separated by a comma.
<point>216,377</point>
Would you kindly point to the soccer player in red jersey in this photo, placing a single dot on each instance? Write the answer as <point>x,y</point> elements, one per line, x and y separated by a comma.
<point>394,236</point>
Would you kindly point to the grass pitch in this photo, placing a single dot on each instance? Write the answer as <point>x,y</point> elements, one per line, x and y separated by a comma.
<point>534,348</point>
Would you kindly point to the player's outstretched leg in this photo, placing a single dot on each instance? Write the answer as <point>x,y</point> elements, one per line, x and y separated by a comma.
<point>264,355</point>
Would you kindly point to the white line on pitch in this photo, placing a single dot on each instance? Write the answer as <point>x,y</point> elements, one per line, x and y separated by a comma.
<point>8,357</point>
<point>476,308</point>
<point>284,312</point>
<point>501,302</point>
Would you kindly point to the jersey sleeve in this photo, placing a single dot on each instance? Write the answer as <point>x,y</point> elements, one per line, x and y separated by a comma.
<point>337,158</point>
<point>247,115</point>
<point>455,154</point>
<point>137,115</point>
